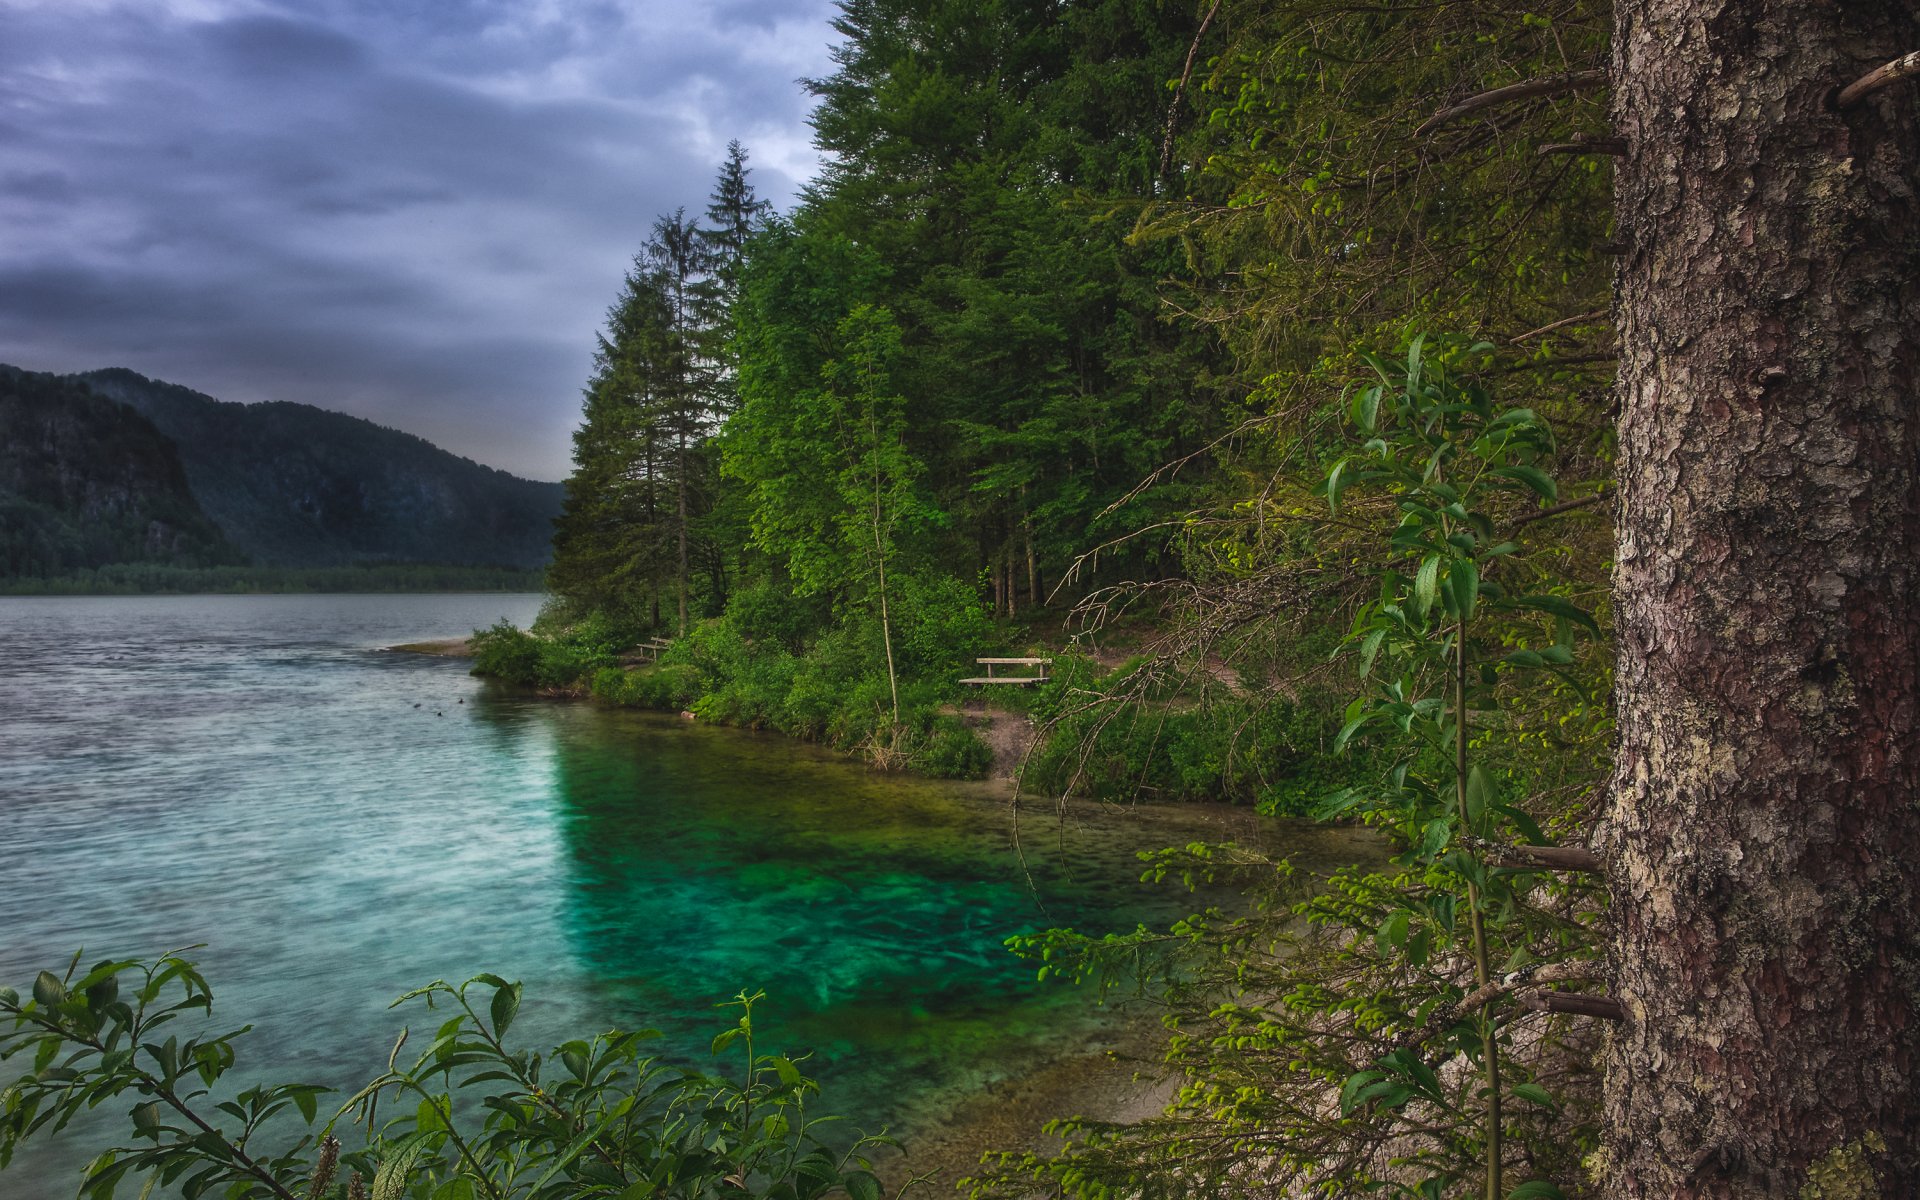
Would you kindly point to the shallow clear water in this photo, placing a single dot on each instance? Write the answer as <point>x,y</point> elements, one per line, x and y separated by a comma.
<point>338,823</point>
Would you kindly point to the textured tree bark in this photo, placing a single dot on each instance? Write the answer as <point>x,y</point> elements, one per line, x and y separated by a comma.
<point>1763,839</point>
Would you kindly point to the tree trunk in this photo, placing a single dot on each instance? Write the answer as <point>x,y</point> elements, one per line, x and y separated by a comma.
<point>682,524</point>
<point>1763,835</point>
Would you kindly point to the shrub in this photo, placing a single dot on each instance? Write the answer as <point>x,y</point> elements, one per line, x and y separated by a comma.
<point>596,1117</point>
<point>953,751</point>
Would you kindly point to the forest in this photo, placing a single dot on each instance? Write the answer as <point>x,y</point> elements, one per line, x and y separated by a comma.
<point>1488,422</point>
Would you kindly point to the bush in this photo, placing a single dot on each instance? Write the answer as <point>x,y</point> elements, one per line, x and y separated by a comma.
<point>594,1117</point>
<point>953,751</point>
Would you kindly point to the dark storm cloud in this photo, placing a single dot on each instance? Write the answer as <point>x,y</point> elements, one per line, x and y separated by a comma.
<point>417,213</point>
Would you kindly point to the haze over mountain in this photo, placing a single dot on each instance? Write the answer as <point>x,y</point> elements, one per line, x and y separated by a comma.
<point>288,485</point>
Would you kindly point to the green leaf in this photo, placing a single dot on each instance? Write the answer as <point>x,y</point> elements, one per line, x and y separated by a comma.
<point>574,1151</point>
<point>390,1181</point>
<point>862,1186</point>
<point>1463,579</point>
<point>1535,1093</point>
<point>1480,794</point>
<point>1533,477</point>
<point>506,1003</point>
<point>1536,1189</point>
<point>1426,584</point>
<point>1350,1091</point>
<point>457,1188</point>
<point>146,1117</point>
<point>1435,837</point>
<point>47,989</point>
<point>1392,933</point>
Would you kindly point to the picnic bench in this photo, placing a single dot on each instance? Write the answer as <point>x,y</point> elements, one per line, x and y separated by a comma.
<point>1039,665</point>
<point>644,652</point>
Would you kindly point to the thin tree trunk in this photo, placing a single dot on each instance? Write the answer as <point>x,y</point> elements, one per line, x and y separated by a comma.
<point>1763,833</point>
<point>880,566</point>
<point>1013,591</point>
<point>1033,565</point>
<point>682,522</point>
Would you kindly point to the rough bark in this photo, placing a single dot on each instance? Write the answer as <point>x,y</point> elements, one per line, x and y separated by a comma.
<point>1763,839</point>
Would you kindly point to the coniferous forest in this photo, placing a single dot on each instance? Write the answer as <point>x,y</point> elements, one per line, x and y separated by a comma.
<point>1487,424</point>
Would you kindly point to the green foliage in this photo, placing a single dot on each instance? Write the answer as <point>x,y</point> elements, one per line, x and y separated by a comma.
<point>563,660</point>
<point>469,1118</point>
<point>1328,1024</point>
<point>1107,738</point>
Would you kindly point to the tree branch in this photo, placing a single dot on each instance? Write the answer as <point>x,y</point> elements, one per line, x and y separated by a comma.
<point>1554,510</point>
<point>1587,143</point>
<point>1905,67</point>
<point>1604,1007</point>
<point>1581,319</point>
<point>1539,973</point>
<point>1551,86</point>
<point>1186,73</point>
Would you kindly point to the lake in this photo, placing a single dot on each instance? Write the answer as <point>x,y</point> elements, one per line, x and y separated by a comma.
<point>337,823</point>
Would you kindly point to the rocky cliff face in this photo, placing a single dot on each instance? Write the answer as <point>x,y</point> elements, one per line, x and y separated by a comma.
<point>298,486</point>
<point>86,481</point>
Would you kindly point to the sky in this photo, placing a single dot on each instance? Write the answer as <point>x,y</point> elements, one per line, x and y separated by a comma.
<point>415,211</point>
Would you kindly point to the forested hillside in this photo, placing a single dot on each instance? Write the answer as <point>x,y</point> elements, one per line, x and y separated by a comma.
<point>86,481</point>
<point>298,486</point>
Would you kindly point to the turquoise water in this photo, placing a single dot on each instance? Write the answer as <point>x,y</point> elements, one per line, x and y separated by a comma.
<point>338,823</point>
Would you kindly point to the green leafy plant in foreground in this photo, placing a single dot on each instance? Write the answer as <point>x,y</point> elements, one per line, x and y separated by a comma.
<point>467,1118</point>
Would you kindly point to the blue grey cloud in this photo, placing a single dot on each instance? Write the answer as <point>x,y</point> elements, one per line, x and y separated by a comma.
<point>413,212</point>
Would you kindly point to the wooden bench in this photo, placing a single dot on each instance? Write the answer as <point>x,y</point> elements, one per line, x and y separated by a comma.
<point>644,652</point>
<point>1040,664</point>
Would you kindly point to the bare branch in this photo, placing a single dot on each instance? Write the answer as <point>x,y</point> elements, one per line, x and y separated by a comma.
<point>1551,86</point>
<point>1586,143</point>
<point>1905,67</point>
<point>1565,506</point>
<point>1186,73</point>
<point>1539,973</point>
<point>1604,1007</point>
<point>1558,858</point>
<point>1582,319</point>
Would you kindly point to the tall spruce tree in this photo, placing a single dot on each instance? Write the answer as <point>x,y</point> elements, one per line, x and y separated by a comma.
<point>612,549</point>
<point>676,257</point>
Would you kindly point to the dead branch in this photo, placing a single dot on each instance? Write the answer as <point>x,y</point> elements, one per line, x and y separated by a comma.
<point>1539,973</point>
<point>1532,88</point>
<point>1186,73</point>
<point>1582,319</point>
<point>1565,506</point>
<point>1905,67</point>
<point>1586,143</point>
<point>1604,1007</point>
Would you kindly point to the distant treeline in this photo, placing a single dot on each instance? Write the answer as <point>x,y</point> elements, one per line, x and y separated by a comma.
<point>131,579</point>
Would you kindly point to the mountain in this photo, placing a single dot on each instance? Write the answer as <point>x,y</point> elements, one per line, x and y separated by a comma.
<point>86,481</point>
<point>297,486</point>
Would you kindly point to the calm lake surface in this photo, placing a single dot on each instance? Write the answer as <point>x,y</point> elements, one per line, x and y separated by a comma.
<point>338,823</point>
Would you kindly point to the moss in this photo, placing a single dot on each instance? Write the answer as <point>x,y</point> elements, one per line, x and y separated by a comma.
<point>1845,1174</point>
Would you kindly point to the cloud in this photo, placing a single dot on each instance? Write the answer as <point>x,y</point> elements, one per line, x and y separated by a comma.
<point>414,213</point>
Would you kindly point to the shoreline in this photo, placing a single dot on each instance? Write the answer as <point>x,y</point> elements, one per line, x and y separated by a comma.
<point>1122,1082</point>
<point>460,647</point>
<point>1117,1076</point>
